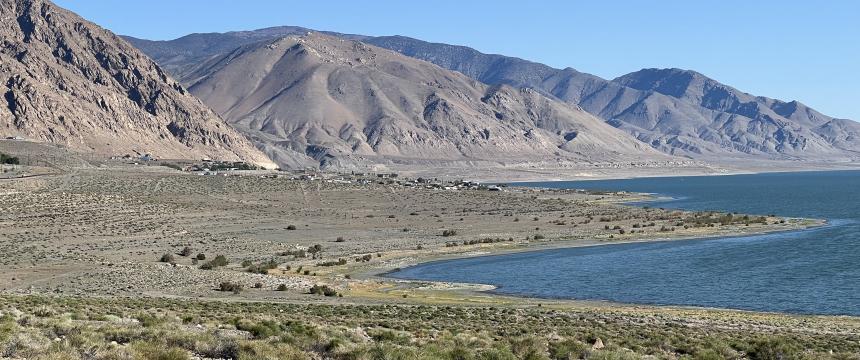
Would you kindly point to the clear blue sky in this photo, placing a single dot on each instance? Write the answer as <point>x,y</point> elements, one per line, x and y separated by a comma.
<point>791,50</point>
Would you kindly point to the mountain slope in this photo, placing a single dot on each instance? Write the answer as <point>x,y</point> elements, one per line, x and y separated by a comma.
<point>67,81</point>
<point>318,99</point>
<point>677,112</point>
<point>181,56</point>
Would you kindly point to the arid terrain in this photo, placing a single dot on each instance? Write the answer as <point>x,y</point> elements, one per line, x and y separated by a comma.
<point>104,230</point>
<point>244,195</point>
<point>134,249</point>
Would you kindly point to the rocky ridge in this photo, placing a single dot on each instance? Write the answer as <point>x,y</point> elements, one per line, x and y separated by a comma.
<point>68,81</point>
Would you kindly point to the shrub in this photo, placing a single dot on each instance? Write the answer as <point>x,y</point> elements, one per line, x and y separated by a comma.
<point>218,261</point>
<point>315,250</point>
<point>157,351</point>
<point>44,311</point>
<point>364,258</point>
<point>262,329</point>
<point>324,290</point>
<point>539,237</point>
<point>282,287</point>
<point>340,239</point>
<point>291,227</point>
<point>263,268</point>
<point>295,253</point>
<point>333,263</point>
<point>774,348</point>
<point>229,286</point>
<point>167,258</point>
<point>447,233</point>
<point>568,349</point>
<point>201,257</point>
<point>186,251</point>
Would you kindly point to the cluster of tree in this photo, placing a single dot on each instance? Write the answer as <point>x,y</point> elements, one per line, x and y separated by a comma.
<point>9,160</point>
<point>238,165</point>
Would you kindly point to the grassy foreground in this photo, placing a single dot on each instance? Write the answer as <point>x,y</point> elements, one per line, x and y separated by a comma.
<point>39,327</point>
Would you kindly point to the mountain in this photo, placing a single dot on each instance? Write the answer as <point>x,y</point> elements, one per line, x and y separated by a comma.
<point>681,110</point>
<point>67,81</point>
<point>316,99</point>
<point>180,56</point>
<point>678,112</point>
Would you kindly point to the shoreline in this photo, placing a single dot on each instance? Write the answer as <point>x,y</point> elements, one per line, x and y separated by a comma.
<point>420,242</point>
<point>659,176</point>
<point>381,274</point>
<point>666,172</point>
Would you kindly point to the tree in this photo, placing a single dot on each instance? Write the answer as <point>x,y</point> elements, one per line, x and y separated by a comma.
<point>9,160</point>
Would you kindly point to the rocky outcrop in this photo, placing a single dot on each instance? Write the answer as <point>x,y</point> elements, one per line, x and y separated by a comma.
<point>67,81</point>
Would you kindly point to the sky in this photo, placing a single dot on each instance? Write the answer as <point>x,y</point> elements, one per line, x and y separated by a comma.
<point>790,50</point>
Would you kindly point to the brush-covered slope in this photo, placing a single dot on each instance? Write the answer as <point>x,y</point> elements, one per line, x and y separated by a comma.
<point>65,80</point>
<point>318,99</point>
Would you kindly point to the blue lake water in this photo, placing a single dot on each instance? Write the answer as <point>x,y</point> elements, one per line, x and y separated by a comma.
<point>812,271</point>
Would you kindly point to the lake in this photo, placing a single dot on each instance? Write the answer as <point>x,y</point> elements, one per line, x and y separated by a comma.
<point>813,271</point>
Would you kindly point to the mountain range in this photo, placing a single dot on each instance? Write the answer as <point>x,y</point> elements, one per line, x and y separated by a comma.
<point>678,112</point>
<point>67,81</point>
<point>296,97</point>
<point>319,99</point>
